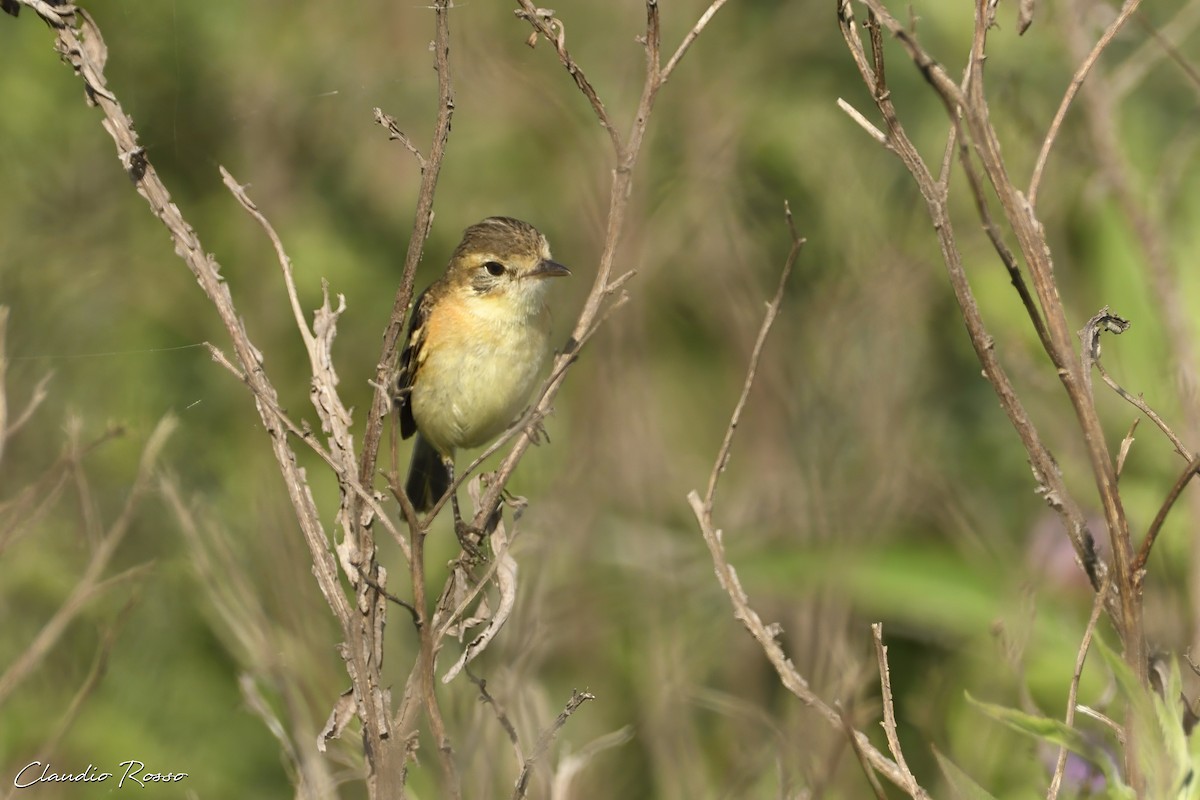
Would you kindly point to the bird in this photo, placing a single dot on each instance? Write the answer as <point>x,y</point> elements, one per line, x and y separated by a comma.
<point>477,341</point>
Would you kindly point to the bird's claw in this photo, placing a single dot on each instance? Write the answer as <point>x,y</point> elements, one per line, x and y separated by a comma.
<point>470,538</point>
<point>536,431</point>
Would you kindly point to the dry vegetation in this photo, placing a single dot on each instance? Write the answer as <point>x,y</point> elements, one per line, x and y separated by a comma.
<point>312,635</point>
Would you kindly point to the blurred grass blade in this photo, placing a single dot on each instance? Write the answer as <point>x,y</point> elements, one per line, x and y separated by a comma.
<point>965,788</point>
<point>1161,746</point>
<point>1059,733</point>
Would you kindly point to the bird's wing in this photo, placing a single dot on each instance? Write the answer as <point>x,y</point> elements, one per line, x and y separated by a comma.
<point>410,362</point>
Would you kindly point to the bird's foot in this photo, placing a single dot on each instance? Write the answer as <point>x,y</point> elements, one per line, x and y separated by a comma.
<point>536,431</point>
<point>470,539</point>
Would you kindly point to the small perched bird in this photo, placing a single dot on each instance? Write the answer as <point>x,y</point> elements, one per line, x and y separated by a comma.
<point>476,344</point>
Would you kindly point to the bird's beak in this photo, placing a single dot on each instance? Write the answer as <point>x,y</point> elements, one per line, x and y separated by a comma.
<point>548,269</point>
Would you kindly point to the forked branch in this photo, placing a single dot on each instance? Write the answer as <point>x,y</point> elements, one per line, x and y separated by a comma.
<point>626,152</point>
<point>766,635</point>
<point>967,107</point>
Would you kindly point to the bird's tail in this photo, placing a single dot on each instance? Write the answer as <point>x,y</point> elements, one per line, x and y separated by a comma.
<point>428,476</point>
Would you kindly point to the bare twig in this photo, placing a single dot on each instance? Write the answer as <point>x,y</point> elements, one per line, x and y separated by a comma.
<point>285,263</point>
<point>755,354</point>
<point>82,46</point>
<point>543,21</point>
<point>998,244</point>
<point>1100,107</point>
<point>766,635</point>
<point>969,103</point>
<point>626,151</point>
<point>356,551</point>
<point>1126,443</point>
<point>863,122</point>
<point>381,401</point>
<point>395,134</point>
<point>501,715</point>
<point>578,698</point>
<point>304,434</point>
<point>1141,405</point>
<point>1164,41</point>
<point>407,606</point>
<point>423,669</point>
<point>1045,468</point>
<point>889,711</point>
<point>705,18</point>
<point>421,680</point>
<point>1105,720</point>
<point>571,764</point>
<point>1073,692</point>
<point>1077,80</point>
<point>1181,482</point>
<point>868,770</point>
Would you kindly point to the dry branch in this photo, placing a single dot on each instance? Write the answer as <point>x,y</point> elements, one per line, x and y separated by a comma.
<point>578,698</point>
<point>1073,693</point>
<point>1099,105</point>
<point>1085,67</point>
<point>626,151</point>
<point>967,107</point>
<point>1189,472</point>
<point>766,635</point>
<point>969,117</point>
<point>1046,473</point>
<point>389,740</point>
<point>381,401</point>
<point>81,45</point>
<point>889,714</point>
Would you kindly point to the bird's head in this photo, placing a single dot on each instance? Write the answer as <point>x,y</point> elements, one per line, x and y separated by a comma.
<point>504,259</point>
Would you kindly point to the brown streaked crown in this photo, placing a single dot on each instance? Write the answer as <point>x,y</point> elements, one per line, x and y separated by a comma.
<point>504,238</point>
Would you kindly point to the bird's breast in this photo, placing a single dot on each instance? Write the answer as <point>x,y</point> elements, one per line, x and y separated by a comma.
<point>481,363</point>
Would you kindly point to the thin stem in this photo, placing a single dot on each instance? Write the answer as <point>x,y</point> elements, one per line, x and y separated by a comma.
<point>1189,472</point>
<point>1077,80</point>
<point>1073,693</point>
<point>755,354</point>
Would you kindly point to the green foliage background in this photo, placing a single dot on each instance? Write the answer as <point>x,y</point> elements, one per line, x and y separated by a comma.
<point>874,476</point>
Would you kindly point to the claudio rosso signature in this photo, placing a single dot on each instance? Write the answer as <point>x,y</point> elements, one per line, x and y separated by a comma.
<point>130,773</point>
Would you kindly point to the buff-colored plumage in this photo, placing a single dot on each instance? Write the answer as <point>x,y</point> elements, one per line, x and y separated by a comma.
<point>477,343</point>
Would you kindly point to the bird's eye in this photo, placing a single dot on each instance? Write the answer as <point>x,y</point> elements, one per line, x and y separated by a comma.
<point>494,268</point>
